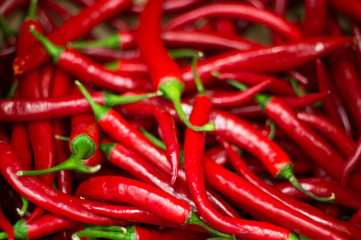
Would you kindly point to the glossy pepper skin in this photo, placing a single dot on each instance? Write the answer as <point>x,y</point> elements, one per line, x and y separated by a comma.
<point>288,56</point>
<point>314,216</point>
<point>43,195</point>
<point>85,20</point>
<point>241,11</point>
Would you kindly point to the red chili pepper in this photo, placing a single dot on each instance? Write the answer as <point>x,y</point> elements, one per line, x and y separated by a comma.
<point>277,86</point>
<point>322,153</point>
<point>62,86</point>
<point>5,225</point>
<point>315,18</point>
<point>193,157</point>
<point>351,8</point>
<point>336,135</point>
<point>45,20</point>
<point>351,163</point>
<point>20,143</point>
<point>319,220</point>
<point>164,72</point>
<point>345,77</point>
<point>57,8</point>
<point>343,196</point>
<point>224,100</point>
<point>260,204</point>
<point>88,71</point>
<point>8,6</point>
<point>288,56</point>
<point>141,233</point>
<point>85,20</point>
<point>129,161</point>
<point>332,104</point>
<point>235,10</point>
<point>45,225</point>
<point>126,40</point>
<point>43,195</point>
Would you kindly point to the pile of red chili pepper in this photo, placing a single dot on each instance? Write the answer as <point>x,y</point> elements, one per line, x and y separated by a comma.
<point>180,119</point>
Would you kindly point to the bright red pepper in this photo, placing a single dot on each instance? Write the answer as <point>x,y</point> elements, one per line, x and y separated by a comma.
<point>235,10</point>
<point>85,21</point>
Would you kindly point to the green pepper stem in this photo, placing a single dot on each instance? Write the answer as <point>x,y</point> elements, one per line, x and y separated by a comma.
<point>107,148</point>
<point>111,99</point>
<point>62,138</point>
<point>32,10</point>
<point>74,163</point>
<point>296,87</point>
<point>272,126</point>
<point>156,141</point>
<point>53,50</point>
<point>261,99</point>
<point>99,234</point>
<point>99,110</point>
<point>197,80</point>
<point>24,208</point>
<point>183,53</point>
<point>112,41</point>
<point>293,236</point>
<point>12,90</point>
<point>8,33</point>
<point>208,127</point>
<point>113,66</point>
<point>84,144</point>
<point>287,173</point>
<point>193,219</point>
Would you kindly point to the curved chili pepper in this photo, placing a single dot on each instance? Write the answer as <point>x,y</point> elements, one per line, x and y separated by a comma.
<point>276,161</point>
<point>237,11</point>
<point>277,86</point>
<point>43,195</point>
<point>45,225</point>
<point>332,104</point>
<point>288,56</point>
<point>315,18</point>
<point>319,220</point>
<point>322,153</point>
<point>126,40</point>
<point>85,20</point>
<point>159,202</point>
<point>48,108</point>
<point>343,196</point>
<point>8,6</point>
<point>129,213</point>
<point>117,128</point>
<point>336,135</point>
<point>351,163</point>
<point>224,100</point>
<point>141,233</point>
<point>164,72</point>
<point>193,157</point>
<point>88,71</point>
<point>126,159</point>
<point>345,77</point>
<point>5,225</point>
<point>83,143</point>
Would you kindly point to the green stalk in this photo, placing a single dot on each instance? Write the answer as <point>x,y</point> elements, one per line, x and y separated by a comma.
<point>112,41</point>
<point>7,32</point>
<point>111,99</point>
<point>24,208</point>
<point>287,173</point>
<point>74,163</point>
<point>32,10</point>
<point>53,50</point>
